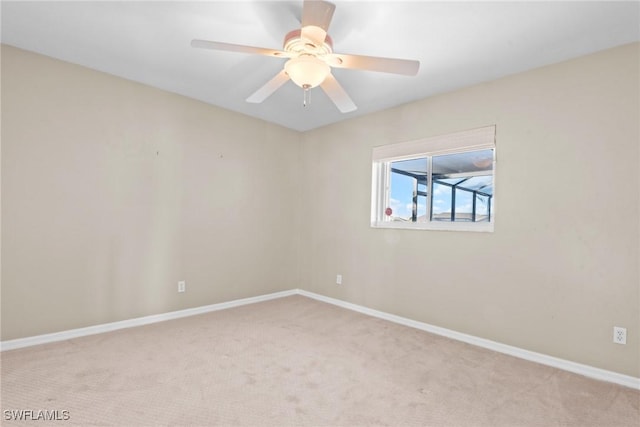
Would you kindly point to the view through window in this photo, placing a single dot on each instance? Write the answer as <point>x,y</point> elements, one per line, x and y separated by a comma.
<point>430,190</point>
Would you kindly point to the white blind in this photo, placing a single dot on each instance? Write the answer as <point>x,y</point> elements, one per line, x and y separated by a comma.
<point>475,139</point>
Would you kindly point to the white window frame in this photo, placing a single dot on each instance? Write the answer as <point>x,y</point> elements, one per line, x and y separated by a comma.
<point>459,142</point>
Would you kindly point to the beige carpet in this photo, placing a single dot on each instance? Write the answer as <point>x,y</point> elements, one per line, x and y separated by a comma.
<point>298,362</point>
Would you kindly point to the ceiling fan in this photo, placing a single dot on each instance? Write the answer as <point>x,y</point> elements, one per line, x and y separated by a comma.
<point>310,57</point>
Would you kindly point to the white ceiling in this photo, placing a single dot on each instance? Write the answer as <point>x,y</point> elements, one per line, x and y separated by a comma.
<point>457,43</point>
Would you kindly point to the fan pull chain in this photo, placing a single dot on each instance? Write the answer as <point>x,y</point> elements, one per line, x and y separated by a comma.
<point>306,97</point>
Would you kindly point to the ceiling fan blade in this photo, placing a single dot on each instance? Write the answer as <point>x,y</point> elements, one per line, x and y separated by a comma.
<point>337,94</point>
<point>373,63</point>
<point>229,47</point>
<point>317,13</point>
<point>272,85</point>
<point>316,18</point>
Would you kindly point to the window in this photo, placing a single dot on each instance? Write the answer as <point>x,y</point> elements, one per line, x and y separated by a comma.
<point>444,182</point>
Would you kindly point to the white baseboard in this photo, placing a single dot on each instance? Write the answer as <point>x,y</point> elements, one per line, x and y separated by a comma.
<point>578,368</point>
<point>139,321</point>
<point>566,365</point>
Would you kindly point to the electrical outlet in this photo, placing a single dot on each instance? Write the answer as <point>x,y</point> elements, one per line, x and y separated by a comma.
<point>182,286</point>
<point>619,335</point>
<point>339,279</point>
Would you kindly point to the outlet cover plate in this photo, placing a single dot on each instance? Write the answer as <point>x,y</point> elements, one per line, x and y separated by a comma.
<point>619,335</point>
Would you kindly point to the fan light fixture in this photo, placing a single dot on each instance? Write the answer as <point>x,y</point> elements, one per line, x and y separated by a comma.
<point>307,71</point>
<point>482,163</point>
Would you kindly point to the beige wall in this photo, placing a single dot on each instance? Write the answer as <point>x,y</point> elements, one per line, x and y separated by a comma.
<point>113,191</point>
<point>561,268</point>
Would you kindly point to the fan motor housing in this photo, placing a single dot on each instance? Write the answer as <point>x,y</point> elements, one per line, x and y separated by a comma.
<point>294,43</point>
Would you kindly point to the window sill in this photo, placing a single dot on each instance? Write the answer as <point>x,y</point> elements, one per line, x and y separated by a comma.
<point>486,227</point>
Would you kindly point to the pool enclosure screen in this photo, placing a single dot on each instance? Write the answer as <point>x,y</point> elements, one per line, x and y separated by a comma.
<point>457,188</point>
